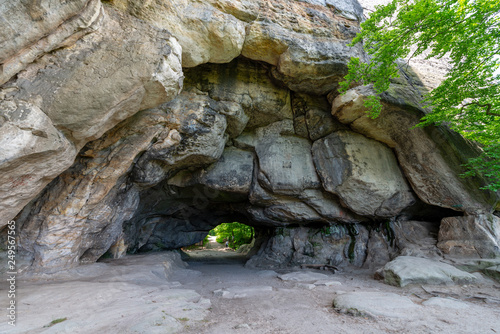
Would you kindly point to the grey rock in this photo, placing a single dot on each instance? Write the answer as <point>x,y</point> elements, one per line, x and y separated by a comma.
<point>232,172</point>
<point>416,238</point>
<point>289,211</point>
<point>406,270</point>
<point>470,236</point>
<point>401,237</point>
<point>312,116</point>
<point>493,272</point>
<point>86,90</point>
<point>448,303</point>
<point>300,43</point>
<point>204,30</point>
<point>247,84</point>
<point>306,286</point>
<point>30,30</point>
<point>380,250</point>
<point>201,139</point>
<point>333,244</point>
<point>267,273</point>
<point>327,282</point>
<point>80,215</point>
<point>431,157</point>
<point>33,153</point>
<point>328,206</point>
<point>237,292</point>
<point>285,165</point>
<point>473,265</point>
<point>301,276</point>
<point>236,118</point>
<point>159,233</point>
<point>363,173</point>
<point>375,304</point>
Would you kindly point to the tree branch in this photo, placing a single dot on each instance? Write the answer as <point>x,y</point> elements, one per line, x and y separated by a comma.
<point>486,105</point>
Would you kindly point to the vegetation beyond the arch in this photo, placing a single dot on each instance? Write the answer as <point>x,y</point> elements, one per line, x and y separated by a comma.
<point>236,234</point>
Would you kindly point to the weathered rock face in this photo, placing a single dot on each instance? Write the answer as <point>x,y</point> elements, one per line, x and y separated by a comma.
<point>470,236</point>
<point>305,41</point>
<point>431,158</point>
<point>76,94</point>
<point>332,245</point>
<point>32,28</point>
<point>80,215</point>
<point>368,181</point>
<point>33,153</point>
<point>125,66</point>
<point>205,32</point>
<point>406,270</point>
<point>248,136</point>
<point>201,134</point>
<point>248,85</point>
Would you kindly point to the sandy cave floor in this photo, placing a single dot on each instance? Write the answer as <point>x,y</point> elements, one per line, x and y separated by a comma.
<point>215,293</point>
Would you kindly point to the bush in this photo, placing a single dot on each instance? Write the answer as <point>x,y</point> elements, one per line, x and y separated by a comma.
<point>236,233</point>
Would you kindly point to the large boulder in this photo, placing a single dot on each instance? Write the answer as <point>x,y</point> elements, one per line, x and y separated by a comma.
<point>406,270</point>
<point>431,158</point>
<point>363,173</point>
<point>334,244</point>
<point>306,41</point>
<point>470,236</point>
<point>201,132</point>
<point>233,172</point>
<point>285,165</point>
<point>312,117</point>
<point>374,303</point>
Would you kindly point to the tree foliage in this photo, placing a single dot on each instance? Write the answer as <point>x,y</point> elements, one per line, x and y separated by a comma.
<point>466,31</point>
<point>236,234</point>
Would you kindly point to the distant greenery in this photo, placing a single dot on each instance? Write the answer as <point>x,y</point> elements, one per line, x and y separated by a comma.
<point>236,234</point>
<point>466,31</point>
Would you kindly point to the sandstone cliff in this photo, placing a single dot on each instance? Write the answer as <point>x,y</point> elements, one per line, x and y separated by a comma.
<point>147,123</point>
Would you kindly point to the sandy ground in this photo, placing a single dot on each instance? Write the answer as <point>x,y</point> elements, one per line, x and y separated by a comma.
<point>215,293</point>
<point>293,307</point>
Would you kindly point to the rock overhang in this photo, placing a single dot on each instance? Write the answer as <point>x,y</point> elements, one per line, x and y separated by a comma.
<point>246,138</point>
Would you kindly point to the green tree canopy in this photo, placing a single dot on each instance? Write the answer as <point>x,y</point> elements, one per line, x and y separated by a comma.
<point>236,234</point>
<point>466,31</point>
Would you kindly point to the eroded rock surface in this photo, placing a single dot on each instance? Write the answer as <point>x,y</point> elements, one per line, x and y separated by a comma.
<point>32,28</point>
<point>306,41</point>
<point>78,93</point>
<point>363,173</point>
<point>80,215</point>
<point>406,270</point>
<point>470,236</point>
<point>188,114</point>
<point>431,158</point>
<point>371,304</point>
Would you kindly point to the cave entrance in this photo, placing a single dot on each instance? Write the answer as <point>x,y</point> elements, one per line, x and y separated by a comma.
<point>225,243</point>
